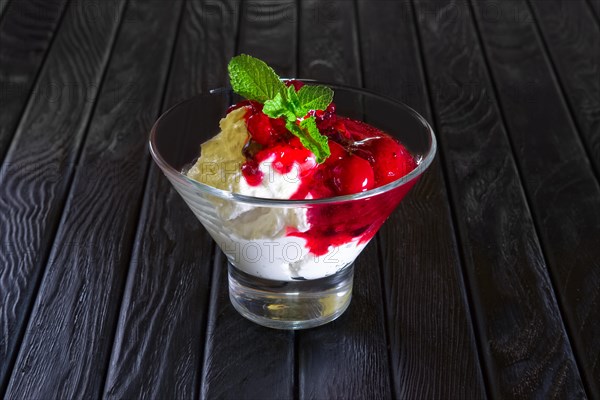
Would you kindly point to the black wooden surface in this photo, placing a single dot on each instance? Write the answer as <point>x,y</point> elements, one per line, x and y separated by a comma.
<point>485,283</point>
<point>422,277</point>
<point>25,36</point>
<point>35,177</point>
<point>510,283</point>
<point>543,134</point>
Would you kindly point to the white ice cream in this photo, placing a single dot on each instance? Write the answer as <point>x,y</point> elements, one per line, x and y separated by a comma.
<point>254,238</point>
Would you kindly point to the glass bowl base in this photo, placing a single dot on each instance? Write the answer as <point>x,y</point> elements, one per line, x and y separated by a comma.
<point>291,305</point>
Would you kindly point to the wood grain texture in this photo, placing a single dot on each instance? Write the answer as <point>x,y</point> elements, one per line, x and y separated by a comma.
<point>525,347</point>
<point>3,7</point>
<point>243,360</point>
<point>268,31</point>
<point>77,304</point>
<point>573,40</point>
<point>158,345</point>
<point>170,275</point>
<point>347,358</point>
<point>37,170</point>
<point>563,192</point>
<point>329,42</point>
<point>432,344</point>
<point>205,45</point>
<point>595,7</point>
<point>26,33</point>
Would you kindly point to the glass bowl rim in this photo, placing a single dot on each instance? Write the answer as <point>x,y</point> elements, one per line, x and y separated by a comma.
<point>173,173</point>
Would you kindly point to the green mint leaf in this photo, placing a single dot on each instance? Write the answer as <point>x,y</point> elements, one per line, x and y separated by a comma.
<point>314,98</point>
<point>321,143</point>
<point>276,107</point>
<point>310,137</point>
<point>254,79</point>
<point>293,101</point>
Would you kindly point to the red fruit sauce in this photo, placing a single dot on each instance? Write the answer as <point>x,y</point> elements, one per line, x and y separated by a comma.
<point>362,158</point>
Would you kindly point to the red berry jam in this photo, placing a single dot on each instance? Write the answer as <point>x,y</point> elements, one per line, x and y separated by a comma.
<point>292,82</point>
<point>362,158</point>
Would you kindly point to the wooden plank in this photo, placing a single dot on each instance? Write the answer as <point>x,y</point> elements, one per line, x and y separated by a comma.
<point>75,314</point>
<point>328,49</point>
<point>205,45</point>
<point>264,358</point>
<point>347,358</point>
<point>165,304</point>
<point>3,7</point>
<point>432,345</point>
<point>563,193</point>
<point>572,39</point>
<point>26,34</point>
<point>267,32</point>
<point>525,347</point>
<point>38,167</point>
<point>595,7</point>
<point>244,360</point>
<point>169,280</point>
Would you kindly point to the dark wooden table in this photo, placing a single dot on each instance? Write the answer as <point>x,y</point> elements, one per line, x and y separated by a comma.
<point>485,283</point>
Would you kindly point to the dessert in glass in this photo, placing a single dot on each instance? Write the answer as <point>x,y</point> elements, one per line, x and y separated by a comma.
<point>293,186</point>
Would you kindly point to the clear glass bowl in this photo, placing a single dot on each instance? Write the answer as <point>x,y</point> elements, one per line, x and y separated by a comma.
<point>290,261</point>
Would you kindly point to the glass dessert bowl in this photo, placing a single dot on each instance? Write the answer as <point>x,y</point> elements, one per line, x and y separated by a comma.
<point>290,262</point>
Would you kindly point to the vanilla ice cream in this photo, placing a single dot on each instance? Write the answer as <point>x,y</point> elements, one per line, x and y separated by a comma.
<point>253,237</point>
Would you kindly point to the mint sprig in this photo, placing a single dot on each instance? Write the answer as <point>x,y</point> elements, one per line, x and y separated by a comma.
<point>255,80</point>
<point>314,98</point>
